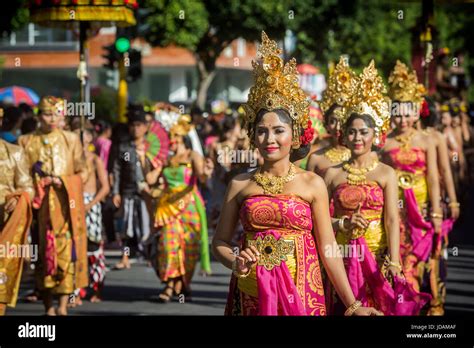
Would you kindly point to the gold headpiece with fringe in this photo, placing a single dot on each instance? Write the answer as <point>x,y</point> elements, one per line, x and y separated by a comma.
<point>404,86</point>
<point>52,104</point>
<point>369,100</point>
<point>276,87</point>
<point>182,126</point>
<point>341,86</point>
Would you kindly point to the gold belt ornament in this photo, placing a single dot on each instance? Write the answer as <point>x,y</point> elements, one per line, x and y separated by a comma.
<point>359,232</point>
<point>272,251</point>
<point>405,180</point>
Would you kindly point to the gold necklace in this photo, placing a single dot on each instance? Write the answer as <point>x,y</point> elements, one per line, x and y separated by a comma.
<point>405,139</point>
<point>358,176</point>
<point>274,184</point>
<point>335,155</point>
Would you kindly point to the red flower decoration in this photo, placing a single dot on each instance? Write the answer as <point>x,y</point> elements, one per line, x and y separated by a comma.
<point>425,110</point>
<point>308,134</point>
<point>383,138</point>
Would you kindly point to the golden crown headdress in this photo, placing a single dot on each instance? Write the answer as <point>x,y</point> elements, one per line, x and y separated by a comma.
<point>182,126</point>
<point>369,100</point>
<point>52,104</point>
<point>341,86</point>
<point>276,87</point>
<point>404,86</point>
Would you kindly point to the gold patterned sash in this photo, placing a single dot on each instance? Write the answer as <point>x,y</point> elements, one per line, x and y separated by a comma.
<point>282,249</point>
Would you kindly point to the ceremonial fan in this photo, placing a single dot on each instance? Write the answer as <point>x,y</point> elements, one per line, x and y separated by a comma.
<point>157,144</point>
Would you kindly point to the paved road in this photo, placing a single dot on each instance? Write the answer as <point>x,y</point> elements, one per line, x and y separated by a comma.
<point>135,291</point>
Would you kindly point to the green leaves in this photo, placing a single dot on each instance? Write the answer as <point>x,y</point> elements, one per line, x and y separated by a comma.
<point>179,22</point>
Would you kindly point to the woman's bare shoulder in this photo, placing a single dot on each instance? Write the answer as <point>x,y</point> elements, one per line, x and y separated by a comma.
<point>310,180</point>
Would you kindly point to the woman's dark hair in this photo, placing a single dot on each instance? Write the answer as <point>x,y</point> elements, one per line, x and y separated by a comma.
<point>187,142</point>
<point>227,125</point>
<point>100,126</point>
<point>433,118</point>
<point>284,116</point>
<point>368,120</point>
<point>329,112</point>
<point>120,133</point>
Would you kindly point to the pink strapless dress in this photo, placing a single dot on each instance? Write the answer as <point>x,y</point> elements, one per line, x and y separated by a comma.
<point>287,279</point>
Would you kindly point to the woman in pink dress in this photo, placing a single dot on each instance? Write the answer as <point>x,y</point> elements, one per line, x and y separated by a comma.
<point>413,155</point>
<point>283,209</point>
<point>365,195</point>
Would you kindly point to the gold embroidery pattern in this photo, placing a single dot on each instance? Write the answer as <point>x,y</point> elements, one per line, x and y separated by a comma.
<point>406,157</point>
<point>264,213</point>
<point>351,196</point>
<point>272,251</point>
<point>314,278</point>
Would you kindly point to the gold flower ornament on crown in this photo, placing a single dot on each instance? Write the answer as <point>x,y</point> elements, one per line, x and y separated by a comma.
<point>369,100</point>
<point>50,104</point>
<point>404,86</point>
<point>182,127</point>
<point>341,86</point>
<point>276,87</point>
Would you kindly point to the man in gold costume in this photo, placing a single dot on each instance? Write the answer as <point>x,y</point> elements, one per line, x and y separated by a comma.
<point>58,168</point>
<point>16,192</point>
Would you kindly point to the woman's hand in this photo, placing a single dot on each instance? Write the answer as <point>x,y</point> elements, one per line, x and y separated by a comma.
<point>455,211</point>
<point>11,204</point>
<point>117,200</point>
<point>357,220</point>
<point>437,225</point>
<point>396,272</point>
<point>367,311</point>
<point>246,259</point>
<point>57,182</point>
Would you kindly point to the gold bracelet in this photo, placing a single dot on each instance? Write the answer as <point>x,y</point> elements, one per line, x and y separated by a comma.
<point>436,216</point>
<point>396,265</point>
<point>454,205</point>
<point>236,273</point>
<point>341,223</point>
<point>352,308</point>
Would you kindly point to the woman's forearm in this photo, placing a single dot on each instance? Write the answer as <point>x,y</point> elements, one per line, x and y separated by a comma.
<point>334,266</point>
<point>101,194</point>
<point>393,230</point>
<point>434,194</point>
<point>223,252</point>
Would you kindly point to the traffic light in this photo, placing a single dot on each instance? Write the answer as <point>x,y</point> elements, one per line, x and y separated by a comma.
<point>121,49</point>
<point>135,65</point>
<point>112,57</point>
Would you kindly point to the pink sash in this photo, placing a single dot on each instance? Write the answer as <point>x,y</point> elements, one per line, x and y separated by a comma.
<point>422,244</point>
<point>402,299</point>
<point>277,292</point>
